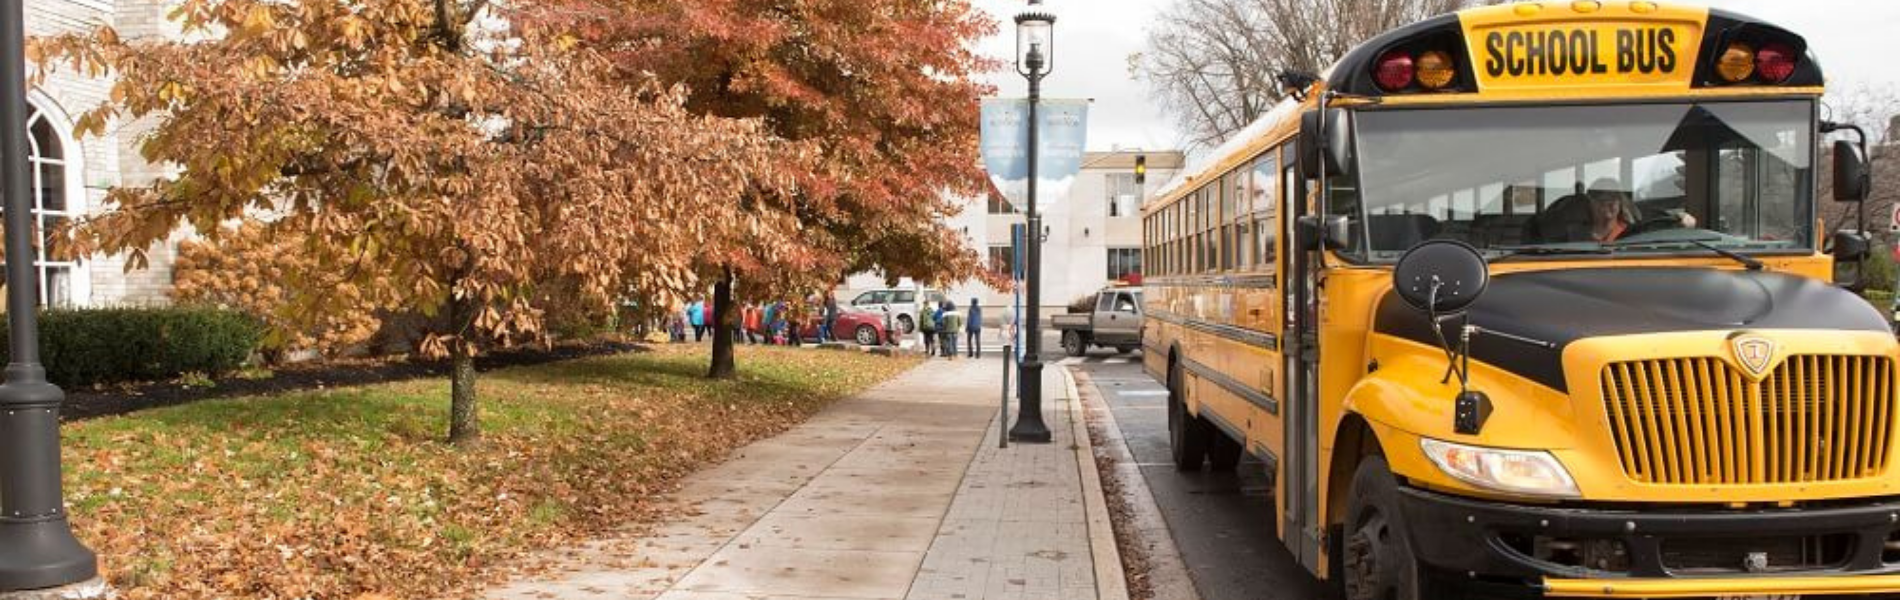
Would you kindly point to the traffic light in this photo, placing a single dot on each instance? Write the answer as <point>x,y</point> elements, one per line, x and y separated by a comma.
<point>1141,169</point>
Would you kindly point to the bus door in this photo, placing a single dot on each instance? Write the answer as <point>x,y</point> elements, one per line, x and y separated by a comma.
<point>1301,528</point>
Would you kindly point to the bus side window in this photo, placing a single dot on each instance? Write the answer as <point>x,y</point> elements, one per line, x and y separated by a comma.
<point>1266,205</point>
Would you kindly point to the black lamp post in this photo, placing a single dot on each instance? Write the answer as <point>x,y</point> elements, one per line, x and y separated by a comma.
<point>37,547</point>
<point>1035,58</point>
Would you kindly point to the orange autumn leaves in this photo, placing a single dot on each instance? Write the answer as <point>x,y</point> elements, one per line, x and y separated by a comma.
<point>884,92</point>
<point>251,270</point>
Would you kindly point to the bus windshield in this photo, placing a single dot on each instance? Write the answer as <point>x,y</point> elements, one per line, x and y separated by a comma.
<point>1624,179</point>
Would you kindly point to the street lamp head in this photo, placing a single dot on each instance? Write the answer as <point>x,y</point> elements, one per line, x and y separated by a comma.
<point>1033,61</point>
<point>1035,41</point>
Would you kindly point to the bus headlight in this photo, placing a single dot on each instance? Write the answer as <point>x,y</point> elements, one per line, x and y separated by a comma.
<point>1526,472</point>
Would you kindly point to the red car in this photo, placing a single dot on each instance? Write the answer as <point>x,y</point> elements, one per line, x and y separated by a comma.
<point>867,329</point>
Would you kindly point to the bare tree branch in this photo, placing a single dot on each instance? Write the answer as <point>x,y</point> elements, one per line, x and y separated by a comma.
<point>1211,63</point>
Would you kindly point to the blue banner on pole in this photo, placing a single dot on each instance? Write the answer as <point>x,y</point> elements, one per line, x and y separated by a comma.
<point>1062,138</point>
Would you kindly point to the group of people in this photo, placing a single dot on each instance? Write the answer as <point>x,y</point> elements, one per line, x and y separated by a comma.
<point>776,323</point>
<point>695,317</point>
<point>941,325</point>
<point>784,323</point>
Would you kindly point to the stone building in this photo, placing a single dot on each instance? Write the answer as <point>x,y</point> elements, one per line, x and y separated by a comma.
<point>71,176</point>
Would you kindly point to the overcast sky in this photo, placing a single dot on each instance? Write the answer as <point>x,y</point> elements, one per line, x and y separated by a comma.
<point>1094,39</point>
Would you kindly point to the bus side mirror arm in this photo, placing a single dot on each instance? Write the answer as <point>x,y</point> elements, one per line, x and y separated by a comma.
<point>1442,278</point>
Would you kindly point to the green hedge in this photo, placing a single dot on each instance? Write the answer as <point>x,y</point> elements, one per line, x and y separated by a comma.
<point>108,345</point>
<point>1881,299</point>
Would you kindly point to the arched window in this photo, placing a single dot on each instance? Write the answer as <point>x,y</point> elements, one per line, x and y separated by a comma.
<point>52,208</point>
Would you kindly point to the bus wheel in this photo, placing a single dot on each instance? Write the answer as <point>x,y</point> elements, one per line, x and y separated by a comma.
<point>1223,453</point>
<point>1187,434</point>
<point>1073,344</point>
<point>1379,564</point>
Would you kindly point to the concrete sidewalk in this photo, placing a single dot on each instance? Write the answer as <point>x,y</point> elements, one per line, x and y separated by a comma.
<point>897,493</point>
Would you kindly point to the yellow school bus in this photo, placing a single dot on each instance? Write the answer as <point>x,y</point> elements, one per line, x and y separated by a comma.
<point>1535,300</point>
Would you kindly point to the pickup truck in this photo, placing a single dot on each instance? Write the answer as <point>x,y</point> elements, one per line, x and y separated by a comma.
<point>1115,323</point>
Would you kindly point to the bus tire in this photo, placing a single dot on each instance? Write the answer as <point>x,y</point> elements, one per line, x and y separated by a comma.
<point>1073,344</point>
<point>1379,564</point>
<point>1187,434</point>
<point>1223,453</point>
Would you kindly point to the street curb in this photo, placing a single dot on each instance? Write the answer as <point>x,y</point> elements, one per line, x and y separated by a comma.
<point>1167,571</point>
<point>1110,582</point>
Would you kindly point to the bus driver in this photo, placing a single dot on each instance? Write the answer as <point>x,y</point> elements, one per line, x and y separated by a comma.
<point>1604,214</point>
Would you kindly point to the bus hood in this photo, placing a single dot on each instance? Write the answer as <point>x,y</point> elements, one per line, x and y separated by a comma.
<point>1558,307</point>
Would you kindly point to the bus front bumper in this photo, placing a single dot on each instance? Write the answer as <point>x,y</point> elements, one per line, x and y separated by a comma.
<point>1659,553</point>
<point>1703,588</point>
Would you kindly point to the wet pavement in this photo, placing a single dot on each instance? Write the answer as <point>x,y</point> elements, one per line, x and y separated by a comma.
<point>1220,523</point>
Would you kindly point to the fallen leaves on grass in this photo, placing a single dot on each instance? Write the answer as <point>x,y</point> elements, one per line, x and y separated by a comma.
<point>348,493</point>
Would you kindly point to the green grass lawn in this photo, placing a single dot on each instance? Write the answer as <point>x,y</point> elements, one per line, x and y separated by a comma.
<point>344,492</point>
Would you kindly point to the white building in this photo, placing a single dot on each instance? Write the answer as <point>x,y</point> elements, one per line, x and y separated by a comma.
<point>1093,233</point>
<point>71,177</point>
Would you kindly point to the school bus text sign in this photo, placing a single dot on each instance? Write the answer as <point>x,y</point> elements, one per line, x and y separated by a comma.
<point>1574,55</point>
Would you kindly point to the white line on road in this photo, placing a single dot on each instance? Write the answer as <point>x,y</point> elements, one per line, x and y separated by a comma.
<point>1144,393</point>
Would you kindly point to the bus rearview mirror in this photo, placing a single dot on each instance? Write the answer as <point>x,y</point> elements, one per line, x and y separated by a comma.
<point>1441,276</point>
<point>1849,246</point>
<point>1318,232</point>
<point>1325,144</point>
<point>1850,250</point>
<point>1851,179</point>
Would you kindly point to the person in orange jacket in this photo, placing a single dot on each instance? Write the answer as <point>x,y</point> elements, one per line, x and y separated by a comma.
<point>752,323</point>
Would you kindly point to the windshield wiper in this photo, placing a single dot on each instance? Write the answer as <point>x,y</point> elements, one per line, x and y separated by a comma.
<point>1511,251</point>
<point>1748,262</point>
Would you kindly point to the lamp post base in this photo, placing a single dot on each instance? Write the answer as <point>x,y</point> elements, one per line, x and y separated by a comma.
<point>1029,427</point>
<point>91,589</point>
<point>39,555</point>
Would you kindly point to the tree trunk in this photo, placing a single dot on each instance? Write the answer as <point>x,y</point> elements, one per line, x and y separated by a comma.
<point>465,428</point>
<point>722,363</point>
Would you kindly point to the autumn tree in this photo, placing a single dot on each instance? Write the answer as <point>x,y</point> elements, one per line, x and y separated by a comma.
<point>885,91</point>
<point>424,155</point>
<point>1212,63</point>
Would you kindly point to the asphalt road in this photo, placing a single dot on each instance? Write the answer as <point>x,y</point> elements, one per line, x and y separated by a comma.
<point>1221,522</point>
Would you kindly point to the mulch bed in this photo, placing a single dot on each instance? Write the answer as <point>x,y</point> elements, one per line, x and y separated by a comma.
<point>105,401</point>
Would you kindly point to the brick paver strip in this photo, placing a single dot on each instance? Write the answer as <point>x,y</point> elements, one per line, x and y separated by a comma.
<point>896,493</point>
<point>1019,528</point>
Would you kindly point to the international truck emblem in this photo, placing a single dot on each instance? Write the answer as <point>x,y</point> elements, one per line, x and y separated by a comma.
<point>1756,562</point>
<point>1754,353</point>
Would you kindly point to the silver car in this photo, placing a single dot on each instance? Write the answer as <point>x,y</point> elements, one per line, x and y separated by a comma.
<point>899,304</point>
